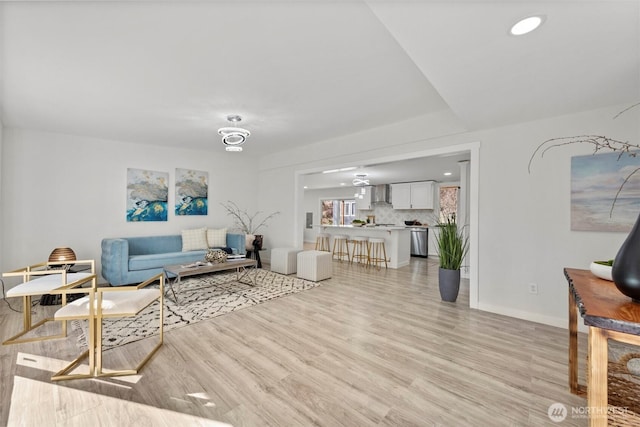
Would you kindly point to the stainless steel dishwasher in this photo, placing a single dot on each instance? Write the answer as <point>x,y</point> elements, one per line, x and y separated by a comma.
<point>419,241</point>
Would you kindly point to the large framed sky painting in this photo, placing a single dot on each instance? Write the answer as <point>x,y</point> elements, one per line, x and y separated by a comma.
<point>147,195</point>
<point>192,192</point>
<point>595,180</point>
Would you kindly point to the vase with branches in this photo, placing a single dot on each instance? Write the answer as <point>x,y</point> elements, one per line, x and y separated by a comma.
<point>248,223</point>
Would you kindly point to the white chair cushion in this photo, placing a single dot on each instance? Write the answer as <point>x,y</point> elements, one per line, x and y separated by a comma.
<point>116,303</point>
<point>43,284</point>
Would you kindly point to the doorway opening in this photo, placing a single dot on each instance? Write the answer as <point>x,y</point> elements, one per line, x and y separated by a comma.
<point>468,198</point>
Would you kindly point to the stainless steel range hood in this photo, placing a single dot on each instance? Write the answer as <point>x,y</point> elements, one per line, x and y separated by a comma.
<point>382,193</point>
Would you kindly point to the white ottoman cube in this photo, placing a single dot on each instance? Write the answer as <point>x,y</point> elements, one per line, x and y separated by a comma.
<point>314,265</point>
<point>284,260</point>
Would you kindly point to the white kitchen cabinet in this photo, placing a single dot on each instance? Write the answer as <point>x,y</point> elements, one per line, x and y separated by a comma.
<point>412,195</point>
<point>422,195</point>
<point>366,203</point>
<point>401,196</point>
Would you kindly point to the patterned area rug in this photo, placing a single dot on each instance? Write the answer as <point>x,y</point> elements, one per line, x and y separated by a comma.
<point>199,298</point>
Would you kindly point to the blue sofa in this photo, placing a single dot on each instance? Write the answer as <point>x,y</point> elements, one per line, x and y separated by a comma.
<point>130,260</point>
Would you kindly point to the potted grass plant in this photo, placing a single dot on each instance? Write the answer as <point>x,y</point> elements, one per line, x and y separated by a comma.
<point>452,245</point>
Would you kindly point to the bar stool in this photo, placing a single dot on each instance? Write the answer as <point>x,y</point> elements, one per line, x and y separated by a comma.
<point>340,247</point>
<point>322,242</point>
<point>377,252</point>
<point>360,251</point>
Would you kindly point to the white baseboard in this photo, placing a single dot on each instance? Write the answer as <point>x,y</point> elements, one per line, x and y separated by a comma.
<point>559,322</point>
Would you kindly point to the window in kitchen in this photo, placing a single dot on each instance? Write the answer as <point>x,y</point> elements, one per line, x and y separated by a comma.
<point>337,212</point>
<point>448,202</point>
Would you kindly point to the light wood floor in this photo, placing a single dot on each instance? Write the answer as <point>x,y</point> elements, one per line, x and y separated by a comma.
<point>367,348</point>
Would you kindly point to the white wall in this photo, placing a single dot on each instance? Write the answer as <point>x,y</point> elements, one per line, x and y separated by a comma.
<point>61,190</point>
<point>524,230</point>
<point>276,192</point>
<point>525,218</point>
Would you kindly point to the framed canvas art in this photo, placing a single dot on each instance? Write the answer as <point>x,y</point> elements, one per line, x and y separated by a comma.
<point>192,192</point>
<point>595,181</point>
<point>147,195</point>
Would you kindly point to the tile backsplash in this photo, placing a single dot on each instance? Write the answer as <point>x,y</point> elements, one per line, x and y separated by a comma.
<point>385,214</point>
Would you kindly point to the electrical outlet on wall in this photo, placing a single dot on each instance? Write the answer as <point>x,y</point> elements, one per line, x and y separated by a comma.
<point>533,288</point>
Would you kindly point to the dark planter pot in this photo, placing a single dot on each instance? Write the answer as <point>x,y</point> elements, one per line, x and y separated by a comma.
<point>449,283</point>
<point>626,266</point>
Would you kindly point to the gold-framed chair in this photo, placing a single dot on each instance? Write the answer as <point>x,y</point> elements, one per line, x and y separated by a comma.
<point>109,302</point>
<point>41,279</point>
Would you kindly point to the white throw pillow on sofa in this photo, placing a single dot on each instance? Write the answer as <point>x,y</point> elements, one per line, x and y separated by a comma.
<point>217,238</point>
<point>194,239</point>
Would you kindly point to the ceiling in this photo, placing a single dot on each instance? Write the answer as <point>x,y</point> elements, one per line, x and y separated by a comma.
<point>168,73</point>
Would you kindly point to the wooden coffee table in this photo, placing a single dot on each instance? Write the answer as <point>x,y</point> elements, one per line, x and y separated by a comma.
<point>242,266</point>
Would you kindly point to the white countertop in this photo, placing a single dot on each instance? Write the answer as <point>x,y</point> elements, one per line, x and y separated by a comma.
<point>368,227</point>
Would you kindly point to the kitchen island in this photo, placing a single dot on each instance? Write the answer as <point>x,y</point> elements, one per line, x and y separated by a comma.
<point>397,239</point>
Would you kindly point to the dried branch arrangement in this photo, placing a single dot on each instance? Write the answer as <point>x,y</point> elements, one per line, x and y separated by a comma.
<point>599,143</point>
<point>244,220</point>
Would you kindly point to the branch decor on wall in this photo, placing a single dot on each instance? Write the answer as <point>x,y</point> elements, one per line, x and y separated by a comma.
<point>147,195</point>
<point>595,182</point>
<point>192,192</point>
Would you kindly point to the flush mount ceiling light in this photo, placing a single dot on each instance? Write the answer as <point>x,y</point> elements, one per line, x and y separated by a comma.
<point>360,179</point>
<point>526,25</point>
<point>233,137</point>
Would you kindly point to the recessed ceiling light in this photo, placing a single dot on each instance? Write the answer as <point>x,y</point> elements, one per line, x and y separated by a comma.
<point>526,25</point>
<point>342,183</point>
<point>447,174</point>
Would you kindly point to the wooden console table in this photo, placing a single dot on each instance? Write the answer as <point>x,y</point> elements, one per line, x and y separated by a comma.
<point>609,315</point>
